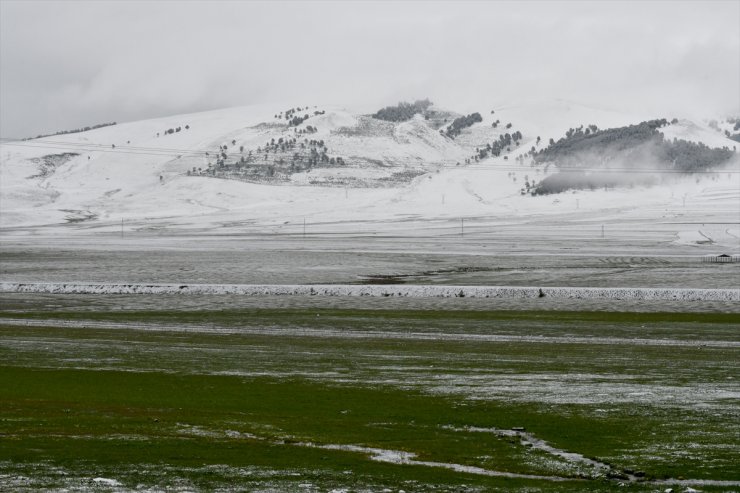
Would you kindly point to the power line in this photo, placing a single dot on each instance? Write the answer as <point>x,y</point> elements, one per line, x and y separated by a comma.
<point>90,144</point>
<point>174,152</point>
<point>151,151</point>
<point>93,146</point>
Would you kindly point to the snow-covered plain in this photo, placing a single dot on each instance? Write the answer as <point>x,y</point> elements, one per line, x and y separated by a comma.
<point>142,181</point>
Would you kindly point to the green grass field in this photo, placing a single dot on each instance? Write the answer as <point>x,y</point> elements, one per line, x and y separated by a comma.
<point>322,399</point>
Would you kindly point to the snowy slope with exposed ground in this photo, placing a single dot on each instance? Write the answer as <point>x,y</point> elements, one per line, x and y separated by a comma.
<point>390,173</point>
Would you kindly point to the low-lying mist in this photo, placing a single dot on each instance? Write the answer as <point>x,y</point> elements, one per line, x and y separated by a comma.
<point>636,155</point>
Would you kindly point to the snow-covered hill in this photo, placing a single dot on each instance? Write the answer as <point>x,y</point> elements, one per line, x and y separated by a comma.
<point>388,173</point>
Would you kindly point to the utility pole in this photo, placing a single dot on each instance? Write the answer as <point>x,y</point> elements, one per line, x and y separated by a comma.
<point>602,231</point>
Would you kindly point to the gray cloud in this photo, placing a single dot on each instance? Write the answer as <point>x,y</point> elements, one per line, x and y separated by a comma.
<point>68,64</point>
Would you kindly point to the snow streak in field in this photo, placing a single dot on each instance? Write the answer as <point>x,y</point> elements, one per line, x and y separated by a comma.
<point>407,458</point>
<point>368,334</point>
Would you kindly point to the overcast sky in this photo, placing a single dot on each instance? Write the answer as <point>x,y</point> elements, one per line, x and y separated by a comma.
<point>66,64</point>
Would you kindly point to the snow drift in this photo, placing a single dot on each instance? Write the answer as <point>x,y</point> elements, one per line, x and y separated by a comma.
<point>410,291</point>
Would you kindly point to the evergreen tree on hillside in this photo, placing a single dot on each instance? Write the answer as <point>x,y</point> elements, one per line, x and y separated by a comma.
<point>458,124</point>
<point>581,152</point>
<point>403,111</point>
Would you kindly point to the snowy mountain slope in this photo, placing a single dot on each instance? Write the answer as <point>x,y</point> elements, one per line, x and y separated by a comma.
<point>392,172</point>
<point>688,130</point>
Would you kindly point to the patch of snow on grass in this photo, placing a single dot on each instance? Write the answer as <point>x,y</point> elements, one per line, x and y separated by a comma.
<point>106,481</point>
<point>407,458</point>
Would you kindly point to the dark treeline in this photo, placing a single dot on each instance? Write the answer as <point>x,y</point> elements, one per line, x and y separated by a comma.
<point>458,124</point>
<point>688,156</point>
<point>75,131</point>
<point>581,147</point>
<point>403,111</point>
<point>633,146</point>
